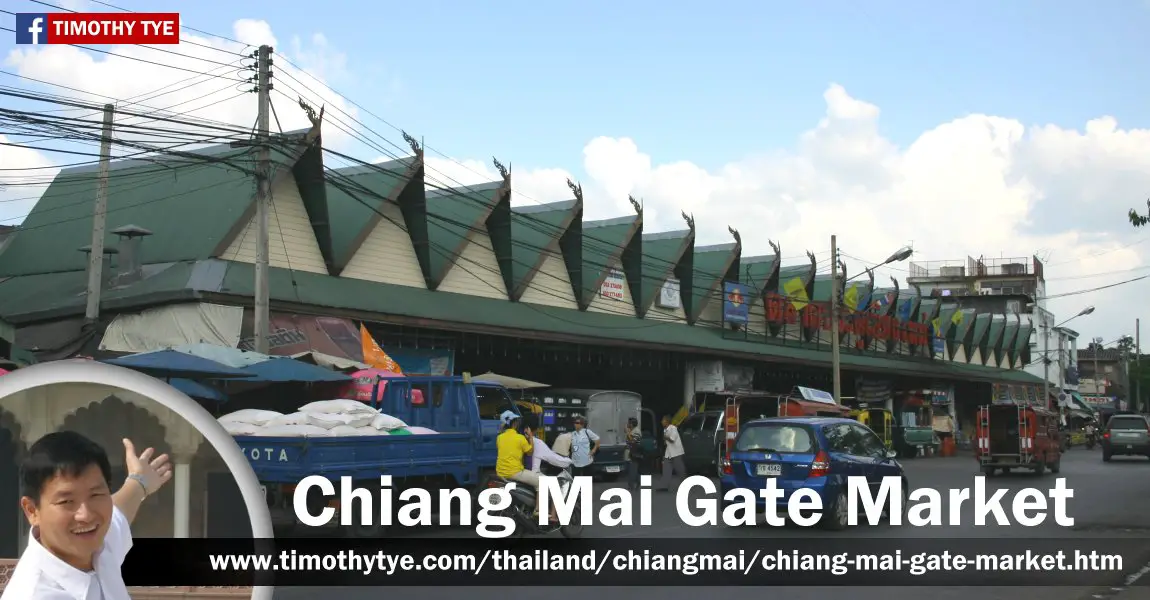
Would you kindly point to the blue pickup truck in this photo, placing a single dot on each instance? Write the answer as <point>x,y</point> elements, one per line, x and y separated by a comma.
<point>457,456</point>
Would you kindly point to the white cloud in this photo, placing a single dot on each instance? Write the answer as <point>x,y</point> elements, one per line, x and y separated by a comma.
<point>18,193</point>
<point>216,94</point>
<point>978,186</point>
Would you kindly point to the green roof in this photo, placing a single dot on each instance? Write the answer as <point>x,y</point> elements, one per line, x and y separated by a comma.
<point>821,289</point>
<point>962,333</point>
<point>1022,343</point>
<point>355,199</point>
<point>535,233</point>
<point>978,334</point>
<point>662,252</point>
<point>788,273</point>
<point>711,266</point>
<point>603,244</point>
<point>453,216</point>
<point>194,204</point>
<point>1009,339</point>
<point>756,271</point>
<point>993,344</point>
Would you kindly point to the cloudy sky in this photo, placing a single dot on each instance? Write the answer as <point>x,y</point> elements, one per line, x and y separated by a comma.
<point>976,129</point>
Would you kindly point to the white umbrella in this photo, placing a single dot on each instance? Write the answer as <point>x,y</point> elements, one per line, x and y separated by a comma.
<point>511,383</point>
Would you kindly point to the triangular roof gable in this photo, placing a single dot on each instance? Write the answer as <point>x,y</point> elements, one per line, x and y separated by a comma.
<point>662,252</point>
<point>994,338</point>
<point>535,233</point>
<point>757,271</point>
<point>978,335</point>
<point>1009,339</point>
<point>356,196</point>
<point>712,266</point>
<point>190,203</point>
<point>603,245</point>
<point>453,217</point>
<point>1022,341</point>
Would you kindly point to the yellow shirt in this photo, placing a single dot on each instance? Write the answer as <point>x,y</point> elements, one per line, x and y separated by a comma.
<point>511,445</point>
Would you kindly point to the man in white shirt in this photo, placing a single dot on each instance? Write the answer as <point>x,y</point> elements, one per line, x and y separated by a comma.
<point>81,531</point>
<point>673,455</point>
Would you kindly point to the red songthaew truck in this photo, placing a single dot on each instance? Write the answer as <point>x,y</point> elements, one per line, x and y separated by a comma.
<point>1009,436</point>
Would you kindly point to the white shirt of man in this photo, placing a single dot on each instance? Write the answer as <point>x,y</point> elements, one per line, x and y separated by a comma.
<point>40,575</point>
<point>674,444</point>
<point>542,453</point>
<point>581,442</point>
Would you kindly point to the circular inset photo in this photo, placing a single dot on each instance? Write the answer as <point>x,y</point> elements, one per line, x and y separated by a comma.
<point>95,458</point>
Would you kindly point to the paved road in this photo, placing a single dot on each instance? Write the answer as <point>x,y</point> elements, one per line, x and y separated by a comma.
<point>1110,500</point>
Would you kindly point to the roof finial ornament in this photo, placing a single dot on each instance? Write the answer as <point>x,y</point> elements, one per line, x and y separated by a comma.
<point>775,246</point>
<point>735,234</point>
<point>635,204</point>
<point>690,219</point>
<point>577,189</point>
<point>414,143</point>
<point>503,172</point>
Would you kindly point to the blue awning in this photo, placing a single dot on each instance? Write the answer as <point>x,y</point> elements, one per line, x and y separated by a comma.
<point>170,363</point>
<point>283,370</point>
<point>196,389</point>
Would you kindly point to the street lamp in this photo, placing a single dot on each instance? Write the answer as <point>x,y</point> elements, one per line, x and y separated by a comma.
<point>1046,351</point>
<point>900,255</point>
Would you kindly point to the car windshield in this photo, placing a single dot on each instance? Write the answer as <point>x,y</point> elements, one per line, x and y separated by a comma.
<point>1128,423</point>
<point>781,438</point>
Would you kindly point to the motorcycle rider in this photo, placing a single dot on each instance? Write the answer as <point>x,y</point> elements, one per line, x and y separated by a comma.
<point>1090,433</point>
<point>512,446</point>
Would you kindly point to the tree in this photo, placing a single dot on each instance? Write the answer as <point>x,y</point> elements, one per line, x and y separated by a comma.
<point>1138,220</point>
<point>1125,346</point>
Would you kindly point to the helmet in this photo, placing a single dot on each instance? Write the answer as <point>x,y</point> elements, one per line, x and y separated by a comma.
<point>507,417</point>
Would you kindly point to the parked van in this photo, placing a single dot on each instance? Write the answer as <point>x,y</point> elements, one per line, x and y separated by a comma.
<point>606,412</point>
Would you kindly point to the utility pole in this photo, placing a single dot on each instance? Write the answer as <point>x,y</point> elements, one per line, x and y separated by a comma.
<point>1045,358</point>
<point>1099,390</point>
<point>263,199</point>
<point>1137,369</point>
<point>837,378</point>
<point>99,221</point>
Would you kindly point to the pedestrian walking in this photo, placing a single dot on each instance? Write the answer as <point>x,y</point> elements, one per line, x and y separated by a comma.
<point>673,455</point>
<point>634,452</point>
<point>584,446</point>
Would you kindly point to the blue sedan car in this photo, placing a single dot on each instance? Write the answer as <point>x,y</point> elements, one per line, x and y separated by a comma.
<point>816,453</point>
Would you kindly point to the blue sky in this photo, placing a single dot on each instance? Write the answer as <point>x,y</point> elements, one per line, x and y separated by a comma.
<point>535,81</point>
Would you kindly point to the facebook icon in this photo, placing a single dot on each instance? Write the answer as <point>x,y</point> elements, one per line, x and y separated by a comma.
<point>31,28</point>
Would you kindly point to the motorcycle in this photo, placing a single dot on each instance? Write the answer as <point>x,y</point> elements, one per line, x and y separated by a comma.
<point>522,509</point>
<point>1091,439</point>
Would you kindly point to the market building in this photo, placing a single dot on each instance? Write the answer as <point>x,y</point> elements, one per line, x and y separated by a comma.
<point>457,279</point>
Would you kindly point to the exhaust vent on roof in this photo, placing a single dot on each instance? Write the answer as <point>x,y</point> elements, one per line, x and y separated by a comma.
<point>131,260</point>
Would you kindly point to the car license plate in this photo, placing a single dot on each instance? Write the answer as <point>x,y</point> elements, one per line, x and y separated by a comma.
<point>769,470</point>
<point>612,469</point>
<point>1129,447</point>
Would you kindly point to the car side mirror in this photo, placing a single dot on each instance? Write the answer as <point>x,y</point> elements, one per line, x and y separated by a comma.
<point>890,454</point>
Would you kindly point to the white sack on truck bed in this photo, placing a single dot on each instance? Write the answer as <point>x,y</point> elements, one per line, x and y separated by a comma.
<point>239,428</point>
<point>252,416</point>
<point>344,430</point>
<point>291,431</point>
<point>338,407</point>
<point>384,422</point>
<point>421,430</point>
<point>298,418</point>
<point>330,420</point>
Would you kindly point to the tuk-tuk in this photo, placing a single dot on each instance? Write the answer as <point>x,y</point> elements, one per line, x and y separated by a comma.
<point>878,419</point>
<point>1012,436</point>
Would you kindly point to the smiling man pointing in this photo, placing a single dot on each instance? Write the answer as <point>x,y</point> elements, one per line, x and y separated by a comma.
<point>81,531</point>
